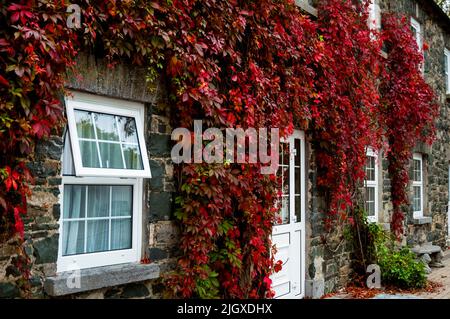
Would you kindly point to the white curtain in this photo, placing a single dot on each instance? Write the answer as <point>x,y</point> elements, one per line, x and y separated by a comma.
<point>74,207</point>
<point>86,228</point>
<point>98,207</point>
<point>121,206</point>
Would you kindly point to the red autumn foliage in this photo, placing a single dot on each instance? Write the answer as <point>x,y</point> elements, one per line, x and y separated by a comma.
<point>235,64</point>
<point>344,122</point>
<point>407,108</point>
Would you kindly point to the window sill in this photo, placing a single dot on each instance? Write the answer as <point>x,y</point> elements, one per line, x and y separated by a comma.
<point>100,277</point>
<point>422,220</point>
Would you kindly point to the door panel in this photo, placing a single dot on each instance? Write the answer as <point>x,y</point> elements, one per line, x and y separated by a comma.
<point>281,280</point>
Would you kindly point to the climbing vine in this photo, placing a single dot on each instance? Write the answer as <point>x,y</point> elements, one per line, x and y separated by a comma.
<point>232,63</point>
<point>35,50</point>
<point>403,87</point>
<point>345,121</point>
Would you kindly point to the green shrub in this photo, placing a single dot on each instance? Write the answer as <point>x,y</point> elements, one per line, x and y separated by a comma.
<point>364,238</point>
<point>400,268</point>
<point>371,244</point>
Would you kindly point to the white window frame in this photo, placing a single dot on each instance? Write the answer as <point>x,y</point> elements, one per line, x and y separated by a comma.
<point>93,103</point>
<point>374,184</point>
<point>419,40</point>
<point>296,246</point>
<point>107,177</point>
<point>374,21</point>
<point>447,70</point>
<point>418,27</point>
<point>419,213</point>
<point>106,258</point>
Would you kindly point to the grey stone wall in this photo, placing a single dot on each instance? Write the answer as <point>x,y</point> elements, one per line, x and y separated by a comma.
<point>41,222</point>
<point>328,261</point>
<point>436,33</point>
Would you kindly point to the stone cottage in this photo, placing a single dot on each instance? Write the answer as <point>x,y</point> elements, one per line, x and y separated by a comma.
<point>111,235</point>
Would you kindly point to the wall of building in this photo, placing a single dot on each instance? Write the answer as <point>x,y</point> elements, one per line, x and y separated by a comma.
<point>327,260</point>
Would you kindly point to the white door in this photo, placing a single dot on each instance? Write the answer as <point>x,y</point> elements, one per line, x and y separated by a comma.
<point>289,231</point>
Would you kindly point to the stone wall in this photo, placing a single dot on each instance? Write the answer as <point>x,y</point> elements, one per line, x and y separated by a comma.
<point>41,223</point>
<point>328,262</point>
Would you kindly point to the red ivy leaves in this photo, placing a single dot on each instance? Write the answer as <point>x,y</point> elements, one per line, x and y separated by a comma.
<point>36,50</point>
<point>20,12</point>
<point>344,112</point>
<point>407,108</point>
<point>11,180</point>
<point>233,63</point>
<point>3,81</point>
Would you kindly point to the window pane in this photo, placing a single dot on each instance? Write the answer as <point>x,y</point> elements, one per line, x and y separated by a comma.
<point>121,233</point>
<point>85,129</point>
<point>111,155</point>
<point>414,31</point>
<point>68,167</point>
<point>370,194</point>
<point>298,209</point>
<point>98,201</point>
<point>108,141</point>
<point>97,235</point>
<point>370,168</point>
<point>297,144</point>
<point>417,198</point>
<point>417,171</point>
<point>89,155</point>
<point>284,153</point>
<point>73,238</point>
<point>121,201</point>
<point>104,204</point>
<point>106,127</point>
<point>133,159</point>
<point>298,180</point>
<point>285,180</point>
<point>371,209</point>
<point>370,201</point>
<point>127,128</point>
<point>74,205</point>
<point>285,210</point>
